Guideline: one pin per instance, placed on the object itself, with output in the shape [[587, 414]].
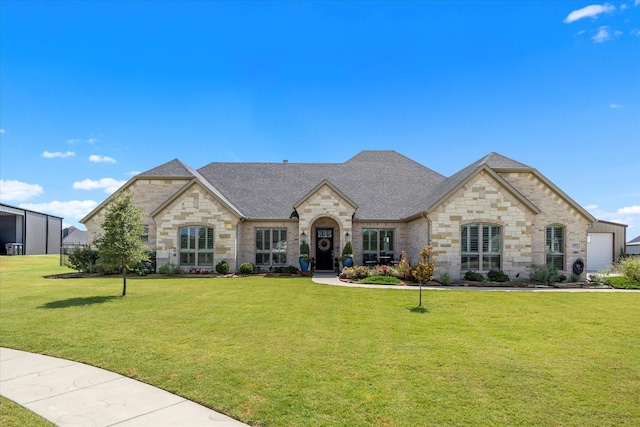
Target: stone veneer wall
[[147, 194], [482, 200], [196, 206], [554, 210], [326, 203]]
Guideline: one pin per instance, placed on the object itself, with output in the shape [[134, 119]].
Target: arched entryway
[[325, 243]]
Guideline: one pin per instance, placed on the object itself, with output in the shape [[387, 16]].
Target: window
[[481, 247], [271, 246], [555, 246], [377, 243], [196, 246], [144, 237]]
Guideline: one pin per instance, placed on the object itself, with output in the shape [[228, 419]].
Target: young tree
[[425, 268], [120, 245]]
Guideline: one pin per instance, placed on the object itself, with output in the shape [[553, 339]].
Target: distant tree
[[425, 268], [121, 245]]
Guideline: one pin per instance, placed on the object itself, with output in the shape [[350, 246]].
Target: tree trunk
[[124, 279]]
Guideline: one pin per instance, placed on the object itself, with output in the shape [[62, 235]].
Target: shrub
[[169, 269], [472, 276], [304, 249], [630, 267], [246, 268], [360, 272], [347, 251], [497, 276], [381, 270], [290, 269], [107, 269], [148, 266], [381, 280], [445, 279], [222, 267], [83, 260], [347, 273], [544, 274], [619, 282], [404, 268]]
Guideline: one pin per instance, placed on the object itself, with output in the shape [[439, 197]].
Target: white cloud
[[73, 209], [614, 106], [635, 32], [1, 130], [92, 140], [73, 141], [629, 215], [11, 190], [134, 173], [101, 159], [50, 155], [602, 35], [589, 12], [630, 210], [110, 185]]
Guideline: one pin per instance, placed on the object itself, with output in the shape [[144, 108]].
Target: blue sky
[[93, 92]]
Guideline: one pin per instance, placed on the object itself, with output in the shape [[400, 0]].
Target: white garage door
[[599, 251]]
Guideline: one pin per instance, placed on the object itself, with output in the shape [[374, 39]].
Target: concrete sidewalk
[[74, 394]]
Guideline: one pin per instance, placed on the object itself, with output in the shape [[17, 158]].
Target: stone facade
[[554, 210], [481, 200], [518, 200], [148, 195], [197, 207]]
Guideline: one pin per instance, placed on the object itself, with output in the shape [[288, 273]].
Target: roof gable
[[318, 187], [458, 180], [207, 187]]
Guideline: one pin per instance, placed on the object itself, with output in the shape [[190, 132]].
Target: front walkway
[[332, 279], [74, 394]]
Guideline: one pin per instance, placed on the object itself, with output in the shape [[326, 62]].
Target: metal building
[[25, 232], [605, 243]]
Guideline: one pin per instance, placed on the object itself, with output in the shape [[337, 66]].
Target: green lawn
[[288, 352]]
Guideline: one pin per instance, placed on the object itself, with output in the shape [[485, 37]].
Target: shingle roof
[[382, 183], [173, 168], [385, 185], [492, 160], [75, 237]]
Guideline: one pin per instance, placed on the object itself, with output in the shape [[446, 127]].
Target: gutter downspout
[[238, 242], [429, 225]]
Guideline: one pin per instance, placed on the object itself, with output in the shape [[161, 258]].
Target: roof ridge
[[170, 168]]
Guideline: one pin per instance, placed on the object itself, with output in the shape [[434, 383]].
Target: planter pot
[[348, 262], [304, 265]]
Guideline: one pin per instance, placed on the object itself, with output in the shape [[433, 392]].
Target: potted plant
[[347, 255], [304, 256]]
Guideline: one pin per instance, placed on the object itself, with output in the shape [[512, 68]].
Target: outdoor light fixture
[[303, 235]]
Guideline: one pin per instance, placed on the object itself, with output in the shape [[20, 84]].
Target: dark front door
[[324, 249]]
